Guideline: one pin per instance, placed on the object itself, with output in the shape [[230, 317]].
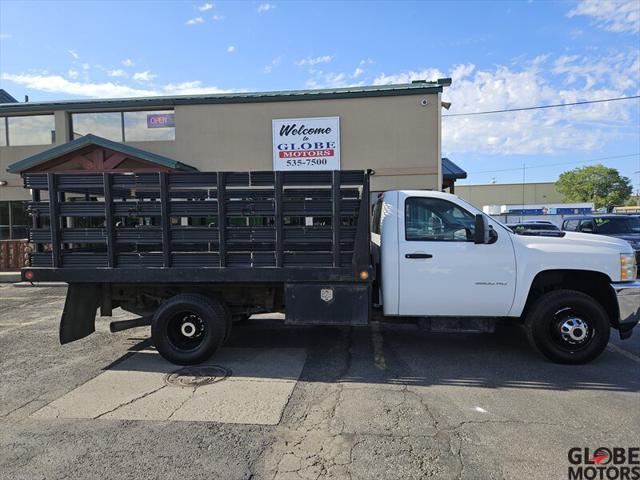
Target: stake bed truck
[[192, 253]]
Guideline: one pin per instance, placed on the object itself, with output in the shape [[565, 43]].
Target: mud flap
[[79, 314]]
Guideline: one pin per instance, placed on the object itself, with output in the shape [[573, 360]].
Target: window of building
[[105, 124], [3, 131], [154, 125], [149, 126], [27, 130], [437, 220], [14, 220]]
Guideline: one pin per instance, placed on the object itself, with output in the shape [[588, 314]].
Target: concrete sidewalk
[[10, 277]]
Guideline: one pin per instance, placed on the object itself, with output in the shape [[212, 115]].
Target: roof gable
[[83, 144]]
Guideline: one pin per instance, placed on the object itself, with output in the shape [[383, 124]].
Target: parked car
[[626, 227], [536, 226]]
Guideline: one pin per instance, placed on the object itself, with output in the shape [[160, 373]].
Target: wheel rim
[[572, 330], [186, 331]]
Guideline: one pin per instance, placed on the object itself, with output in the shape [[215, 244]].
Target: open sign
[[160, 120]]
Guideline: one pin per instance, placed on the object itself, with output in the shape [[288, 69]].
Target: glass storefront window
[[14, 220], [155, 125], [30, 130], [3, 131], [106, 124], [149, 126]]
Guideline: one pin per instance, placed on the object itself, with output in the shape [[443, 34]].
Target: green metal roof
[[414, 88], [87, 140]]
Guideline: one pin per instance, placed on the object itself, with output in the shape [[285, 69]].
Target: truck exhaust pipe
[[128, 324]]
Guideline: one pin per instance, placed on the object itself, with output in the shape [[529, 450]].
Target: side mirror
[[481, 235]]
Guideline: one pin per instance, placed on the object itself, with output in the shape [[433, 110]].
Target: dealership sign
[[160, 120], [306, 143]]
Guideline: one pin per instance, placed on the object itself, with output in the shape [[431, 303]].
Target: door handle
[[418, 255]]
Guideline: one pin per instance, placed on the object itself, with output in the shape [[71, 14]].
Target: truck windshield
[[617, 225]]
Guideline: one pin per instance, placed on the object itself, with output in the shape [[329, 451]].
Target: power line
[[541, 106], [560, 164]]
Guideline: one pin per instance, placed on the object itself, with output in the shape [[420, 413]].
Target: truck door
[[442, 272]]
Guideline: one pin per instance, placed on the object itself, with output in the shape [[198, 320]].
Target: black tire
[[568, 327], [203, 316]]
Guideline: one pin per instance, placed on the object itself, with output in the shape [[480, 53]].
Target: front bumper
[[628, 296]]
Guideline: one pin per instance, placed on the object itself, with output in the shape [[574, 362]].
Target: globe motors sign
[[306, 143]]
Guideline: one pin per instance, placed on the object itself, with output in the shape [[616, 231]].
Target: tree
[[598, 184]]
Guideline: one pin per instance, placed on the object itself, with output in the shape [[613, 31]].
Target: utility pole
[[524, 177]]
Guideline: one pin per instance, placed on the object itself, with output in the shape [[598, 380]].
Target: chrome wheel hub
[[574, 330], [188, 329]]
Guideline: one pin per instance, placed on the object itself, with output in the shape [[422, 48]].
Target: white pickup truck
[[442, 257], [193, 253]]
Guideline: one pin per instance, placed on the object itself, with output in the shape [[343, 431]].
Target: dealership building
[[394, 130]]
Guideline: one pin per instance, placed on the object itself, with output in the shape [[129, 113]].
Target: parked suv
[[626, 227]]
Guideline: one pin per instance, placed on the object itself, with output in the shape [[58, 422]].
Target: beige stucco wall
[[396, 136], [509, 194]]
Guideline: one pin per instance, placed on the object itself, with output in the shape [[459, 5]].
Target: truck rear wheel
[[567, 326], [188, 328]]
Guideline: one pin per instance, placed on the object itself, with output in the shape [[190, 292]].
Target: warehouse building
[[510, 194], [392, 129]]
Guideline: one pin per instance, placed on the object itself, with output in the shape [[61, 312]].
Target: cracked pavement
[[381, 402]]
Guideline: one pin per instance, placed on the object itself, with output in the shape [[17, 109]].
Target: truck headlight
[[628, 267]]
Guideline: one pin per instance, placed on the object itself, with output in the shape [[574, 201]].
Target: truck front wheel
[[188, 328], [567, 326]]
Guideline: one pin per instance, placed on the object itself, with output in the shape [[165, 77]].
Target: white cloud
[[145, 76], [117, 72], [194, 87], [59, 85], [72, 73], [231, 49], [265, 7], [206, 6], [86, 66], [322, 79], [217, 18], [357, 72], [311, 61], [611, 15], [273, 64], [73, 54], [195, 21], [4, 36], [541, 81], [127, 62], [408, 76]]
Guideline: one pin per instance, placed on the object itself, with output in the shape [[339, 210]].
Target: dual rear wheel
[[189, 328]]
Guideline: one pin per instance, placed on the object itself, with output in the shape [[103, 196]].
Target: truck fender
[[79, 314]]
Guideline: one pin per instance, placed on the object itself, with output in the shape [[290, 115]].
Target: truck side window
[[437, 220], [376, 217]]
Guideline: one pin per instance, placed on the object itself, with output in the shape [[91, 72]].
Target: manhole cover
[[196, 376]]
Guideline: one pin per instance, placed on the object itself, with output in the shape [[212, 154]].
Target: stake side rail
[[199, 227]]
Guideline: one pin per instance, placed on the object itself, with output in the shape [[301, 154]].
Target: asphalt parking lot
[[300, 403]]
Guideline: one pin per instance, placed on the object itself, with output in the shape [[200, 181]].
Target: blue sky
[[500, 54]]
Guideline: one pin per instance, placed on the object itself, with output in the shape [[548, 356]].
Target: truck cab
[[441, 257]]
